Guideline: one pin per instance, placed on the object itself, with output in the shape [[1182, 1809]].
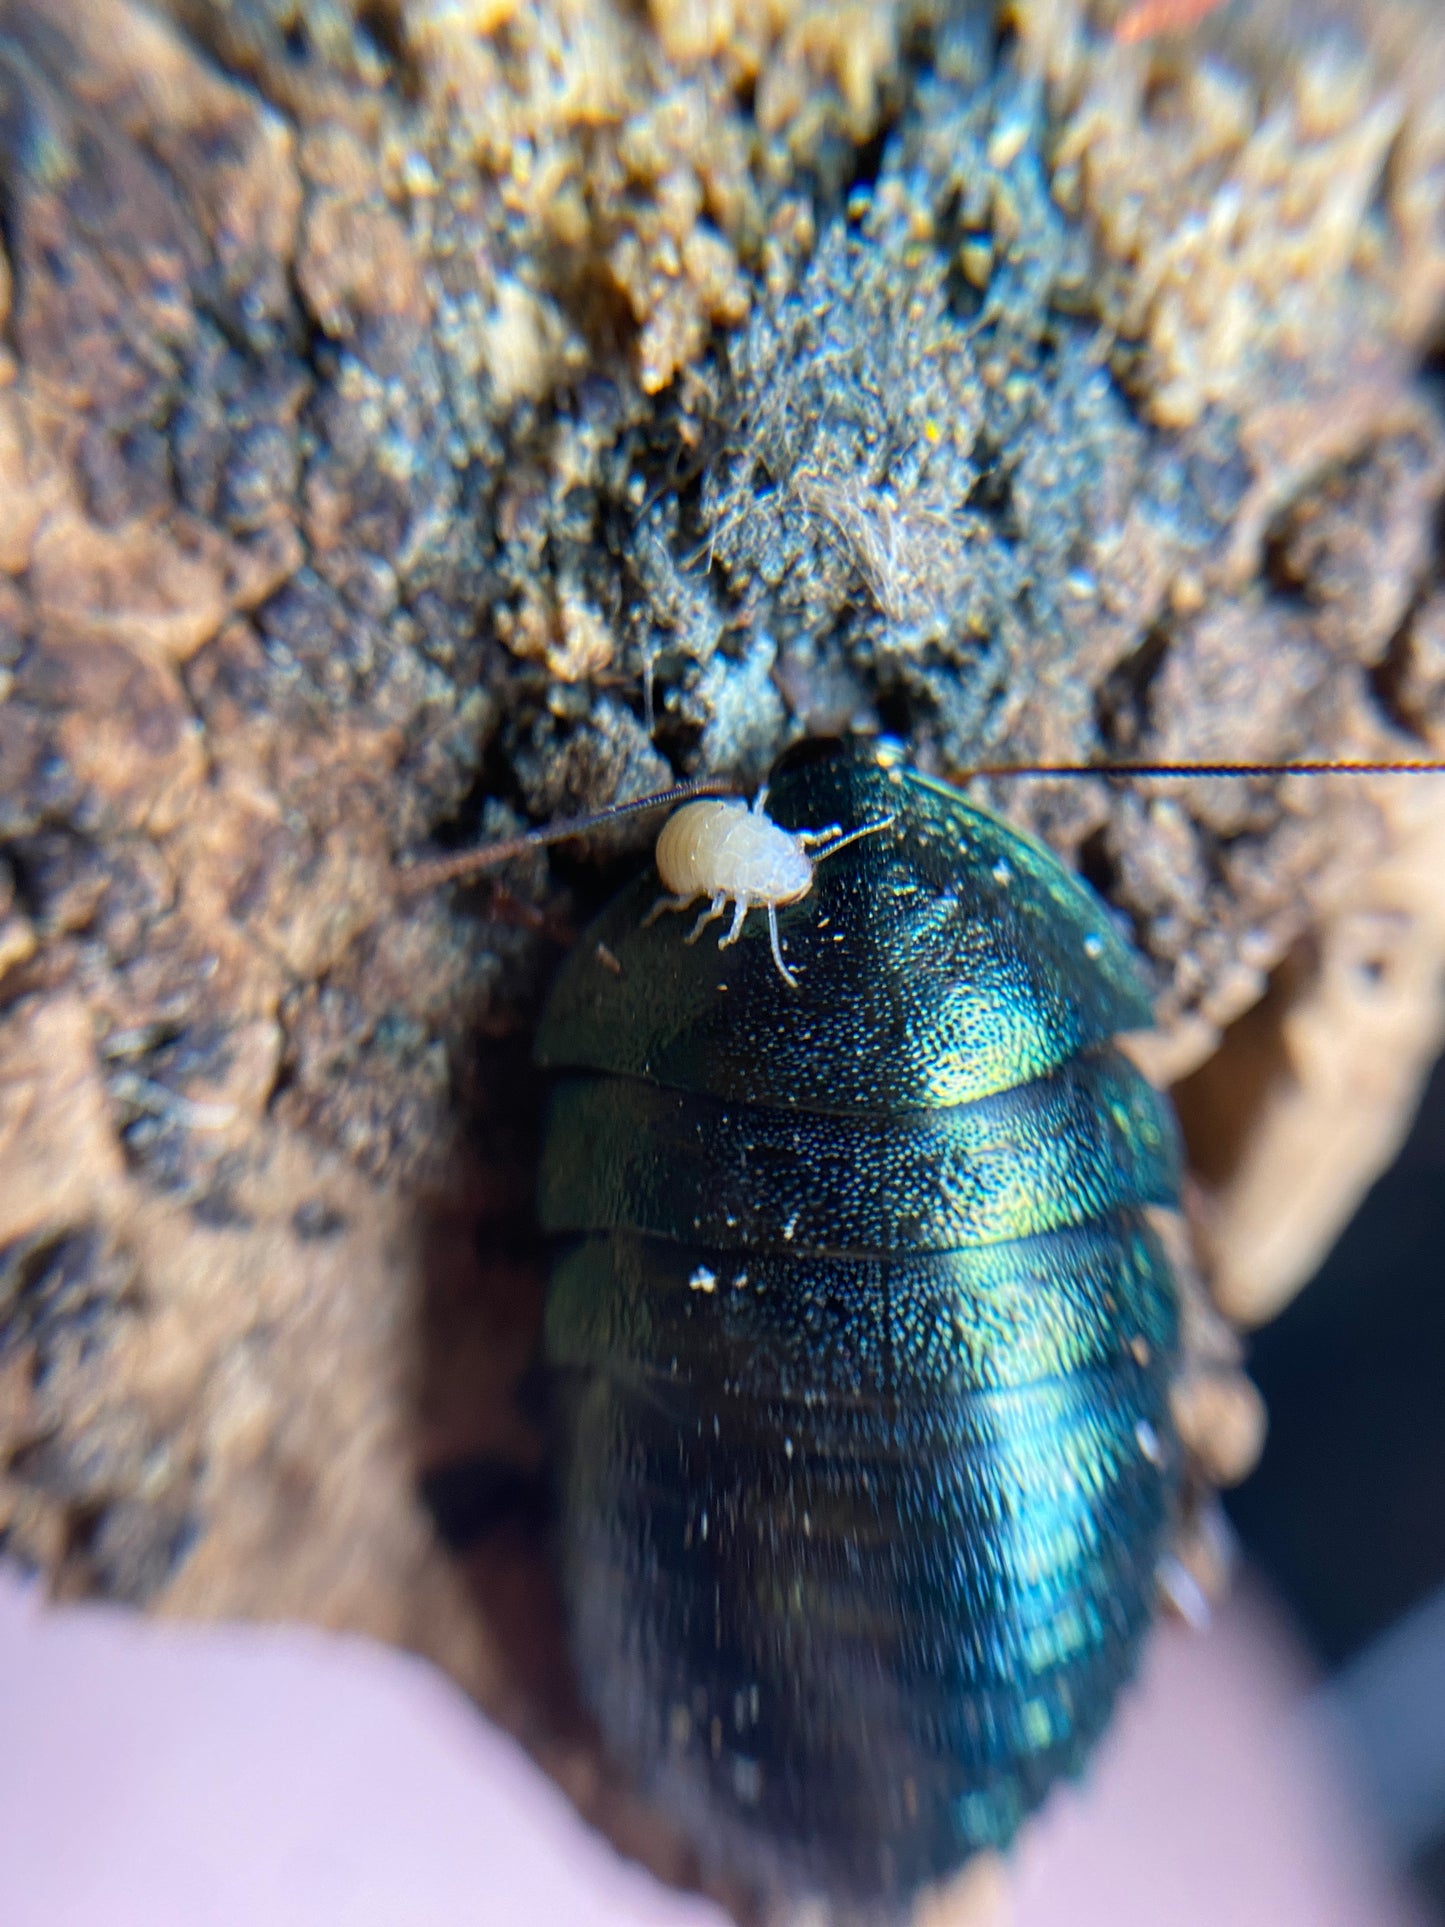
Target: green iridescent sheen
[[1052, 1153], [862, 1339]]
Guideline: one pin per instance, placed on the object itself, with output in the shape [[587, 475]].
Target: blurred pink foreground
[[171, 1776]]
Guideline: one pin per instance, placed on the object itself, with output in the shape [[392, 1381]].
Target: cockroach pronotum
[[861, 1329]]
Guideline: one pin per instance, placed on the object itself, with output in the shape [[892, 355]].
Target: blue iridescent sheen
[[862, 1338]]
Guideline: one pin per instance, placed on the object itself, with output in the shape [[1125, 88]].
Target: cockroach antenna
[[1199, 771], [428, 873]]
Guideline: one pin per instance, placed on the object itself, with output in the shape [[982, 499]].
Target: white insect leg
[[740, 912], [713, 910], [665, 904], [783, 970], [809, 837]]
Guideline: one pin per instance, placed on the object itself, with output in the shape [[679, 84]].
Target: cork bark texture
[[418, 420]]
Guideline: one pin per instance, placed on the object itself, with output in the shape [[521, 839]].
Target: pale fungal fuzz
[[736, 856]]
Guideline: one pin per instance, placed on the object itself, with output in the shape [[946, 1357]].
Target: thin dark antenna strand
[[1241, 770], [431, 872]]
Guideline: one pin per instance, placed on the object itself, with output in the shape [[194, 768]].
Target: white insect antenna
[[821, 844]]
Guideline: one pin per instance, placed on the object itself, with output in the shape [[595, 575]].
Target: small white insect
[[716, 847], [737, 856]]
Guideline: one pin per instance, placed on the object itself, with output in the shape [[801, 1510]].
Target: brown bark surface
[[420, 420]]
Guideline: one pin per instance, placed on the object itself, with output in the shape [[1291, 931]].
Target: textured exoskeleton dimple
[[862, 1336]]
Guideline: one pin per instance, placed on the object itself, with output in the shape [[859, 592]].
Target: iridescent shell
[[862, 1341]]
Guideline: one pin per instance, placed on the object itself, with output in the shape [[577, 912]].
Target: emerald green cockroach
[[861, 1328], [861, 1333]]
